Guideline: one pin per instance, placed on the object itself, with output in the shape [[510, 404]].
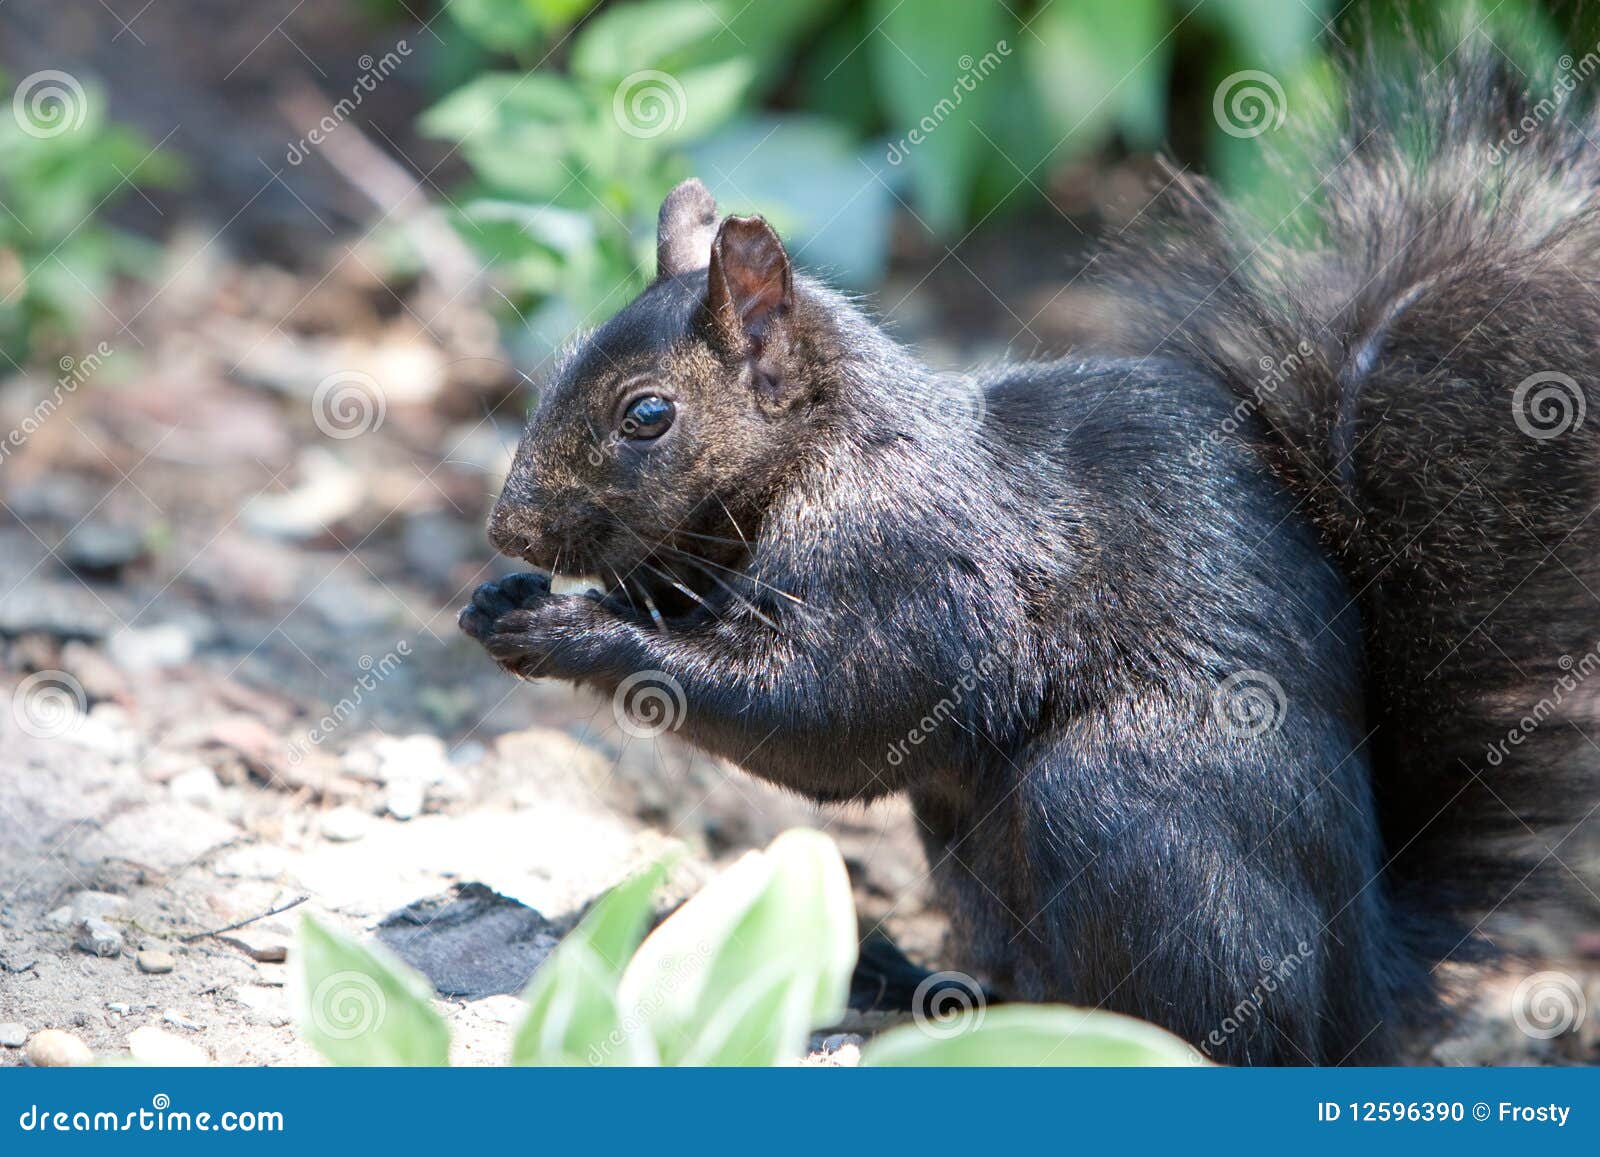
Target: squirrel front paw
[[535, 634], [495, 599]]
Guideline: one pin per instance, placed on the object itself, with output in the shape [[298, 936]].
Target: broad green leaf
[[360, 1005], [523, 133], [1099, 64], [503, 25], [933, 60], [498, 105], [626, 39], [743, 971], [1032, 1036], [571, 1016], [1270, 34], [516, 25]]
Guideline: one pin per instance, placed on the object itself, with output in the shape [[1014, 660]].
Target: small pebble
[[98, 938], [152, 1046], [344, 825], [173, 1017], [104, 905], [13, 1035], [404, 798], [263, 950], [198, 786], [51, 1048], [155, 961]]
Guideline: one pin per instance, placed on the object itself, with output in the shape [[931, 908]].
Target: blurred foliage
[[822, 114], [741, 974], [62, 163]]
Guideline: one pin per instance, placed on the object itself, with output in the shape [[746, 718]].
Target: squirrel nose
[[511, 532]]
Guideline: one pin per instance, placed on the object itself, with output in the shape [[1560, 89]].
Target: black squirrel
[[1210, 670]]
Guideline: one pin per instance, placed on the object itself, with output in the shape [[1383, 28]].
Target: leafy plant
[[61, 164], [739, 975]]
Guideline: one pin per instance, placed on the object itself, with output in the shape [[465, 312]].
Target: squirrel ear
[[749, 284], [685, 229]]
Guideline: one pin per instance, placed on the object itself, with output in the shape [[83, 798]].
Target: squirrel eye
[[647, 417]]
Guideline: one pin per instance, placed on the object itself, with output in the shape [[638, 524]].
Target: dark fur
[[1029, 601]]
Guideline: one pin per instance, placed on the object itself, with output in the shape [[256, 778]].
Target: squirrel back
[[1421, 348]]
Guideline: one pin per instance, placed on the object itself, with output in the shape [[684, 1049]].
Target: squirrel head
[[664, 433]]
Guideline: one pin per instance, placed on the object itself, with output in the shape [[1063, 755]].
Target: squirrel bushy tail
[[1421, 335]]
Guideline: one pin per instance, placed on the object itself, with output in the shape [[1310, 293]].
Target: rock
[[404, 798], [64, 610], [163, 836], [60, 918], [156, 962], [415, 757], [152, 1046], [141, 649], [262, 947], [472, 942], [198, 786], [407, 767], [13, 1035], [98, 938], [344, 825], [173, 1017], [51, 1048], [258, 862], [100, 551]]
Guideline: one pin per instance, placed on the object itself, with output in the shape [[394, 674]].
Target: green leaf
[[516, 25], [1101, 64], [626, 39], [926, 55], [572, 1017], [503, 25], [523, 133], [1271, 34], [361, 1005], [742, 972], [1033, 1036]]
